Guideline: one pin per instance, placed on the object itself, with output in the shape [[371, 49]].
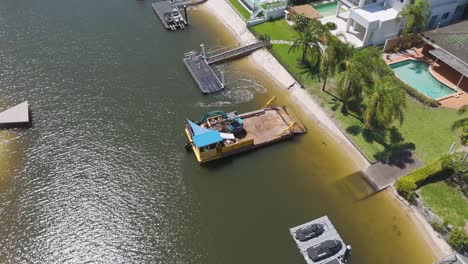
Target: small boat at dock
[[219, 134]]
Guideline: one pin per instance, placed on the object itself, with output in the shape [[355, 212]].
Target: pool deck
[[455, 100]]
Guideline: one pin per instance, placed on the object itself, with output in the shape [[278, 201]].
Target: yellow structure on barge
[[211, 139]]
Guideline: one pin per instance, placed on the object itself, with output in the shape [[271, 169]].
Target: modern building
[[374, 21]]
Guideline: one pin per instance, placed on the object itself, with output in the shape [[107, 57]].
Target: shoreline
[[266, 62]]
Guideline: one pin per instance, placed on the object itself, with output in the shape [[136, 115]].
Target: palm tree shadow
[[396, 151], [310, 69]]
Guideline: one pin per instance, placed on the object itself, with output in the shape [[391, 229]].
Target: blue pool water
[[327, 9], [417, 75]]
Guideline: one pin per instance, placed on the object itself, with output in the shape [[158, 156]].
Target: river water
[[103, 177]]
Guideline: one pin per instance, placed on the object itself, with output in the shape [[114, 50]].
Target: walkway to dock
[[234, 53], [189, 3], [382, 175]]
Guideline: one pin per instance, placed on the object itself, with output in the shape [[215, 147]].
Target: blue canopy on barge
[[202, 136]]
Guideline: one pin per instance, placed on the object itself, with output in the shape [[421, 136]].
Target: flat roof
[[376, 12], [453, 39]]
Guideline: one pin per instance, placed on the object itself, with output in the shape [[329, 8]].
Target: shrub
[[454, 163], [437, 225], [407, 185], [330, 25], [458, 239], [406, 188]]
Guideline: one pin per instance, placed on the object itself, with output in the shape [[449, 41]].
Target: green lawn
[[446, 202], [426, 131], [240, 9], [281, 30], [277, 29], [427, 128]]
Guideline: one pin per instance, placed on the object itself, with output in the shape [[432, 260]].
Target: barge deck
[[212, 140]]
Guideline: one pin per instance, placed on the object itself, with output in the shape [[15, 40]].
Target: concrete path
[[381, 175]]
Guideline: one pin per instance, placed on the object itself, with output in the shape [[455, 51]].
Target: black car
[[324, 250], [309, 232]]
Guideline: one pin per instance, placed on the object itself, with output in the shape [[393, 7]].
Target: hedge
[[407, 185], [458, 239]]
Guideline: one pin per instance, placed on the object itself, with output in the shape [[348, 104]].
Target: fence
[[395, 43]]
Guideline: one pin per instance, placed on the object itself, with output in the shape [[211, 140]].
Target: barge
[[219, 135]]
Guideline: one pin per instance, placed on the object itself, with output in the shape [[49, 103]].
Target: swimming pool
[[417, 75], [327, 9]]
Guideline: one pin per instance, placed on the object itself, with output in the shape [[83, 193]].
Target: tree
[[333, 57], [300, 22], [360, 69], [417, 14], [458, 239], [309, 41], [462, 126], [385, 104]]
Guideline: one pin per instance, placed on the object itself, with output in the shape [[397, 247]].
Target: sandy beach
[[265, 61], [268, 63]]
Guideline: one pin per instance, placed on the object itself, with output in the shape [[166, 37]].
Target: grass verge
[[446, 202], [240, 9]]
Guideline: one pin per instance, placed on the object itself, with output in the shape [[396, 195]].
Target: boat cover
[[202, 136]]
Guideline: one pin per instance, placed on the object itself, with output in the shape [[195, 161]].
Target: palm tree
[[309, 41], [417, 13], [385, 104], [333, 57], [361, 67]]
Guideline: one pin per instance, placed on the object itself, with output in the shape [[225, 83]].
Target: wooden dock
[[199, 65], [166, 7], [15, 116], [330, 233]]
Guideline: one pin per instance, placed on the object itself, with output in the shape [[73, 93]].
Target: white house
[[374, 21]]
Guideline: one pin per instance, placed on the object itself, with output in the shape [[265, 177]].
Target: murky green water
[[103, 176]]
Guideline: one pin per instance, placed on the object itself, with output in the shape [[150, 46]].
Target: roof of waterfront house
[[451, 43], [376, 12], [305, 10], [455, 258]]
